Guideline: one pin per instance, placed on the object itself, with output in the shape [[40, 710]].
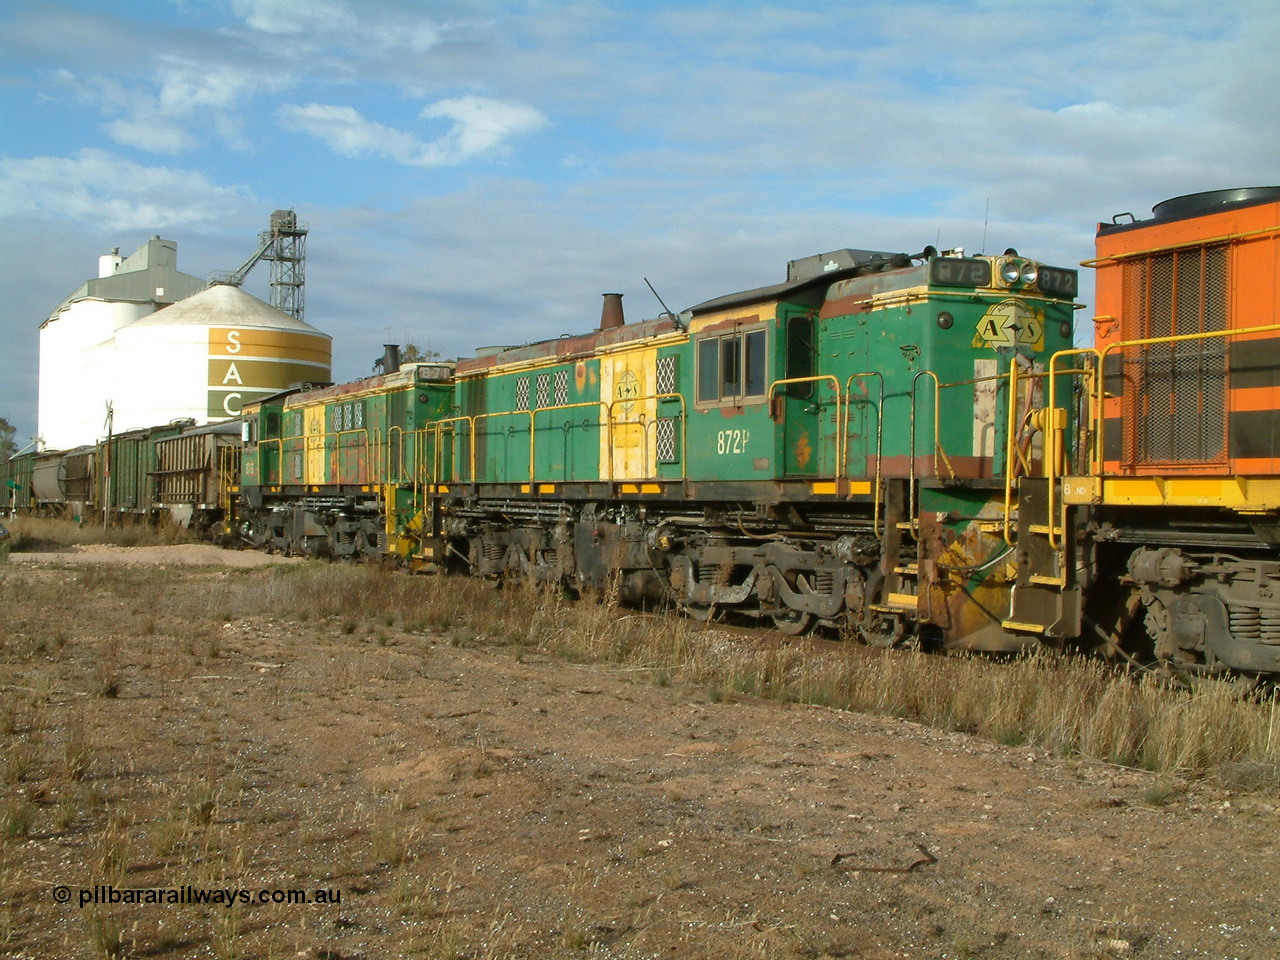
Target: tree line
[[8, 445]]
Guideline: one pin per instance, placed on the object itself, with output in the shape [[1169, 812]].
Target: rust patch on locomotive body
[[846, 306], [803, 450], [730, 323]]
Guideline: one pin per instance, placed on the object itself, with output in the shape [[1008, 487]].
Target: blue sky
[[479, 173]]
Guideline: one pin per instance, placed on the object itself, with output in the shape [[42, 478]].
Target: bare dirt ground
[[179, 555], [465, 798]]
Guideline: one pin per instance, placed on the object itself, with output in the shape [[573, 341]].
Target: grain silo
[[76, 360], [208, 354]]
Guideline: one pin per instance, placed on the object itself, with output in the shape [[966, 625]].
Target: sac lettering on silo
[[247, 363]]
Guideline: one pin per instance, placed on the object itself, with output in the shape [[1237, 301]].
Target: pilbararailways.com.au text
[[106, 895]]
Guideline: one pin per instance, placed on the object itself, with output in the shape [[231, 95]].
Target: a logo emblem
[[627, 390], [1010, 323]]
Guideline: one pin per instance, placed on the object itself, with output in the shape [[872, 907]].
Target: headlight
[[1028, 273], [1009, 271]]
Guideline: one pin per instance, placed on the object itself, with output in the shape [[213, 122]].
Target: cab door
[[314, 445], [798, 407]]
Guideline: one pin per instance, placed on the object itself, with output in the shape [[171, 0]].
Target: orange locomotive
[[1170, 513]]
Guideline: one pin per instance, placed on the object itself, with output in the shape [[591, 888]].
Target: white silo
[[76, 366], [208, 354]]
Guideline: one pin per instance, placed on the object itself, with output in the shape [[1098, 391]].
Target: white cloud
[[98, 188], [171, 91], [294, 16], [189, 96], [350, 134], [480, 126], [181, 101], [188, 84], [150, 132], [355, 26]]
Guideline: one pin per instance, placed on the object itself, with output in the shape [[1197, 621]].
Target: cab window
[[732, 367], [800, 355]]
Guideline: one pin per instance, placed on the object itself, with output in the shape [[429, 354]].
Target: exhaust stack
[[390, 358], [611, 313]]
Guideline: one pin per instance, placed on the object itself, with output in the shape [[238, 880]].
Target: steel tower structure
[[285, 245]]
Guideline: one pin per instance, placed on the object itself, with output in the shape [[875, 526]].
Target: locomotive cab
[[870, 364]]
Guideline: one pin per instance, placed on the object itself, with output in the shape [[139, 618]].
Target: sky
[[480, 173]]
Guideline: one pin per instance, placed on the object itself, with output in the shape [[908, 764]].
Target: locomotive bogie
[[1209, 611]]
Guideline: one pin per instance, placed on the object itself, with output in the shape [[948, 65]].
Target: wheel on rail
[[699, 611], [791, 622]]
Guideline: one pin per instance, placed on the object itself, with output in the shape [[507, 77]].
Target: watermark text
[[108, 895]]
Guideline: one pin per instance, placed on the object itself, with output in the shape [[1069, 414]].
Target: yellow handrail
[[439, 428], [1051, 452], [421, 461], [475, 420], [937, 426], [229, 461], [684, 433], [376, 456], [835, 386], [844, 464], [1096, 416], [359, 432], [1010, 444], [1149, 341], [555, 409], [937, 441], [1050, 428], [399, 476]]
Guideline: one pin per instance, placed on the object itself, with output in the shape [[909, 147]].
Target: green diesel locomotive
[[839, 448]]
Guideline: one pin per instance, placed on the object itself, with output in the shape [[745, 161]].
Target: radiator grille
[[1175, 393]]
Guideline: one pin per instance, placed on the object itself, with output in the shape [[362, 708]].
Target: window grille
[[666, 374], [665, 440]]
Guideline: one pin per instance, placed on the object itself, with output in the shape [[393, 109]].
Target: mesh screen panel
[[1175, 393]]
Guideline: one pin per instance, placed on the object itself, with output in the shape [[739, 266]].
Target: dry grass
[[1070, 706], [30, 534], [70, 778]]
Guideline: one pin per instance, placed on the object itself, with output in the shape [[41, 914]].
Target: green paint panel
[[754, 437], [559, 404], [905, 344]]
